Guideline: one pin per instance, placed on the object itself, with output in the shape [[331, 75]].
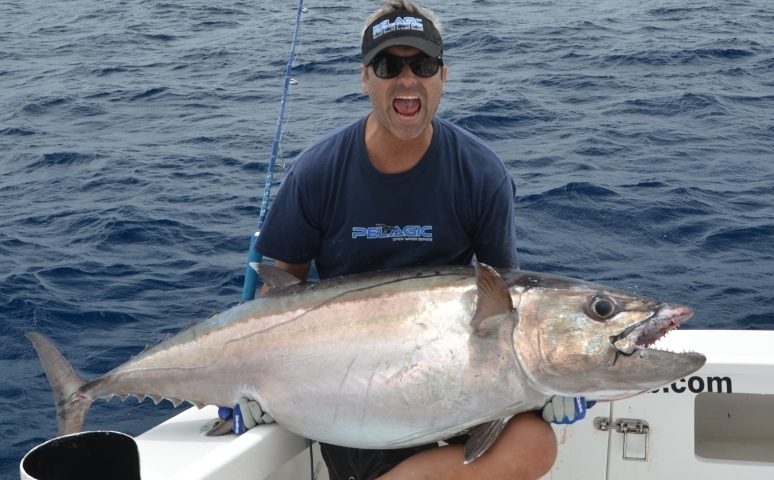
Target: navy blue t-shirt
[[335, 208]]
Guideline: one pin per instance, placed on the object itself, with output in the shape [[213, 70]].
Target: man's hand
[[566, 410], [245, 415]]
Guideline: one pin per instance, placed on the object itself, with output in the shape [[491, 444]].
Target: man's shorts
[[357, 464]]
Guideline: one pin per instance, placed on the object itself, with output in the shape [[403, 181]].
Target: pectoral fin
[[275, 278], [482, 437]]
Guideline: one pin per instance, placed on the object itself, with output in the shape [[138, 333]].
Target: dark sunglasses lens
[[423, 65], [390, 66], [387, 66]]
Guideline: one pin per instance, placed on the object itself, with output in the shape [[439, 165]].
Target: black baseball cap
[[403, 28]]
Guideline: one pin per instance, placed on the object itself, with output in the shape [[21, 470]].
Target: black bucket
[[83, 456]]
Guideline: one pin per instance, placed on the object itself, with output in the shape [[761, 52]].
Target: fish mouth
[[645, 333]]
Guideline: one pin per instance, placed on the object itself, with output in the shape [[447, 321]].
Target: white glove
[[566, 410]]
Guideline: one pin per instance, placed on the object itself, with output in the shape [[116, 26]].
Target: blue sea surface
[[135, 139]]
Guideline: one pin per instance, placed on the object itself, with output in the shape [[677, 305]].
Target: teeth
[[661, 343]]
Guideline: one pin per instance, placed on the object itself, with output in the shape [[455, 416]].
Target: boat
[[715, 424]]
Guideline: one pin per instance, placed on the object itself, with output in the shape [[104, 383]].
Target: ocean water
[[135, 138]]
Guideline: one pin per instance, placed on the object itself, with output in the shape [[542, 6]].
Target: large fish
[[399, 358]]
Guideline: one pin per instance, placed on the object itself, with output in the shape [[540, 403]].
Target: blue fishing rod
[[253, 256]]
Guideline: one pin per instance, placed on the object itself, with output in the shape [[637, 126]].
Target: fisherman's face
[[404, 105]]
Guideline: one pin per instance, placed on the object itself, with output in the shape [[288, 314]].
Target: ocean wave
[[496, 118], [567, 194], [45, 105], [683, 12], [87, 110], [62, 159], [150, 93], [20, 131], [331, 65], [675, 57], [214, 25], [575, 81], [666, 106], [482, 41], [757, 238]]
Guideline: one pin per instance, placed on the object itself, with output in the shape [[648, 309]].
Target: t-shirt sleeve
[[291, 232], [495, 239]]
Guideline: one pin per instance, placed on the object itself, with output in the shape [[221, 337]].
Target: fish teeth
[[660, 343]]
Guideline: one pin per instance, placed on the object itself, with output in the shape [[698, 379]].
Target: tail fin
[[71, 406]]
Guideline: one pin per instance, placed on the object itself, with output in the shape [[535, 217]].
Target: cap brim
[[430, 48]]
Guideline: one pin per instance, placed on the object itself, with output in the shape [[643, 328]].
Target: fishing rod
[[253, 256]]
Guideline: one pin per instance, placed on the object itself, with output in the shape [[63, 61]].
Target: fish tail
[[71, 404]]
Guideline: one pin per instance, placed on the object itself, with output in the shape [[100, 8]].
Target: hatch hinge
[[628, 426]]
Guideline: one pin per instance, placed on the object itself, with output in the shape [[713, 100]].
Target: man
[[398, 188]]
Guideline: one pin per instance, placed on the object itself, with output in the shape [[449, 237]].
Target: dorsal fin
[[275, 277], [494, 299]]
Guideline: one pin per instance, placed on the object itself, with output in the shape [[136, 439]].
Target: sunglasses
[[389, 66]]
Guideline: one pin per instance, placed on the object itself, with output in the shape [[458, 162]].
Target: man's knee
[[532, 444]]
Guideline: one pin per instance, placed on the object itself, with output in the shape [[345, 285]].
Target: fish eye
[[601, 308]]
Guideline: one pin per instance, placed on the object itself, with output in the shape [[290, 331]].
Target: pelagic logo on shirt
[[414, 233]]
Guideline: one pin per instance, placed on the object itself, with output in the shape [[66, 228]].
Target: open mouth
[[645, 333], [407, 106]]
